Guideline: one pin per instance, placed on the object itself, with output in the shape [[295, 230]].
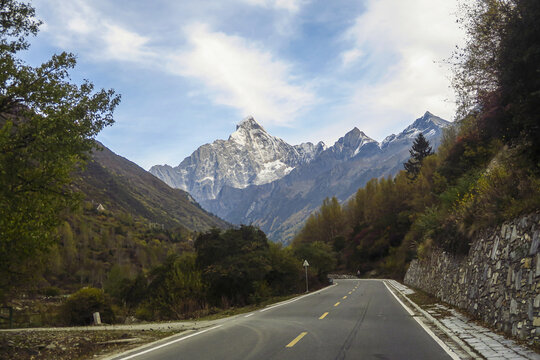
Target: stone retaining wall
[[498, 282]]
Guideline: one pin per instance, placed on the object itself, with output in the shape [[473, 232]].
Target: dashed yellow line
[[344, 297], [297, 339], [323, 316], [336, 304], [350, 292]]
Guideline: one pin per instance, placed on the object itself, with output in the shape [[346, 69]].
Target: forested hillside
[[121, 185], [129, 221], [79, 220], [486, 170]]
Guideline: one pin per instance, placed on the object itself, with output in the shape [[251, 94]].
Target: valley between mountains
[[256, 178]]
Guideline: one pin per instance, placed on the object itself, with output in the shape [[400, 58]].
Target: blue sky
[[307, 70]]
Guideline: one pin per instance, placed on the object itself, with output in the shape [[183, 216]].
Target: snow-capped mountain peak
[[350, 144], [250, 156], [249, 122], [429, 124], [254, 177], [249, 131], [428, 120]]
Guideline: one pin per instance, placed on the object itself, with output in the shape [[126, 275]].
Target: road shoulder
[[464, 337]]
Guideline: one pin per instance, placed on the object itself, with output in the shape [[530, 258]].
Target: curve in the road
[[355, 319]]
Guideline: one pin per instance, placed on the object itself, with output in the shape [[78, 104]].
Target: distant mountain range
[[251, 156], [119, 184], [255, 178]]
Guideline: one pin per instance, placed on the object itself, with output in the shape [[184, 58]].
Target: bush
[[145, 312], [50, 291], [176, 287], [79, 307]]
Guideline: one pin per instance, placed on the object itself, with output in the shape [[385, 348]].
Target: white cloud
[[88, 30], [242, 75], [289, 5], [122, 44], [232, 70], [350, 56], [406, 41]]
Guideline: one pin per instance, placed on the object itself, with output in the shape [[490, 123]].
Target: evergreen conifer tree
[[419, 150]]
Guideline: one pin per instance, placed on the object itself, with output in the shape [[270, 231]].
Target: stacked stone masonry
[[498, 282]]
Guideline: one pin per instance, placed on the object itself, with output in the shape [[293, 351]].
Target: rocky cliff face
[[250, 156], [259, 179]]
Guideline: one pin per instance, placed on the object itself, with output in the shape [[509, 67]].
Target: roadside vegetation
[[55, 246], [225, 272], [62, 257], [486, 170]]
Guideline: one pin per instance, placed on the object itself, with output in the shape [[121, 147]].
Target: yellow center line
[[297, 339], [323, 316], [350, 292], [336, 304], [344, 297]]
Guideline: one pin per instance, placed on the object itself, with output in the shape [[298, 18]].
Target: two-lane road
[[355, 319]]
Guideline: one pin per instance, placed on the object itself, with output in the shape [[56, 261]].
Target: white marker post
[[306, 264]]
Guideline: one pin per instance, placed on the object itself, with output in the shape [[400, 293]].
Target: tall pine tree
[[419, 150]]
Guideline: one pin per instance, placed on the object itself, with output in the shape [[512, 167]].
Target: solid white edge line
[[438, 324], [445, 347], [168, 343], [215, 327], [399, 300]]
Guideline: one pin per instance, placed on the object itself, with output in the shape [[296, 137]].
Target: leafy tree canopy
[[496, 72], [233, 262], [47, 126]]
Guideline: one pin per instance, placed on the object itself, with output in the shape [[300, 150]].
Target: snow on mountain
[[430, 125], [257, 178], [250, 156], [280, 208], [350, 144]]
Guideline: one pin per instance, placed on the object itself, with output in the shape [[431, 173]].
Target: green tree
[[419, 150], [176, 286], [325, 224], [283, 278], [320, 257], [519, 75], [47, 126], [234, 263], [476, 73], [496, 72]]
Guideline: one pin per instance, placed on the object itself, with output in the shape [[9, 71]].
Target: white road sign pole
[[306, 264]]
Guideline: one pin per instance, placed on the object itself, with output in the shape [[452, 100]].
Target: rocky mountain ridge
[[250, 156], [279, 198]]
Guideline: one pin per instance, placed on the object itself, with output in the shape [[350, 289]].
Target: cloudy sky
[[307, 70]]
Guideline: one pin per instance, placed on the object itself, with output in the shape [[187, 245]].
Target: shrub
[[50, 291], [79, 307], [176, 287]]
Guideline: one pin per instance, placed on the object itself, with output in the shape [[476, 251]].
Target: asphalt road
[[355, 319]]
